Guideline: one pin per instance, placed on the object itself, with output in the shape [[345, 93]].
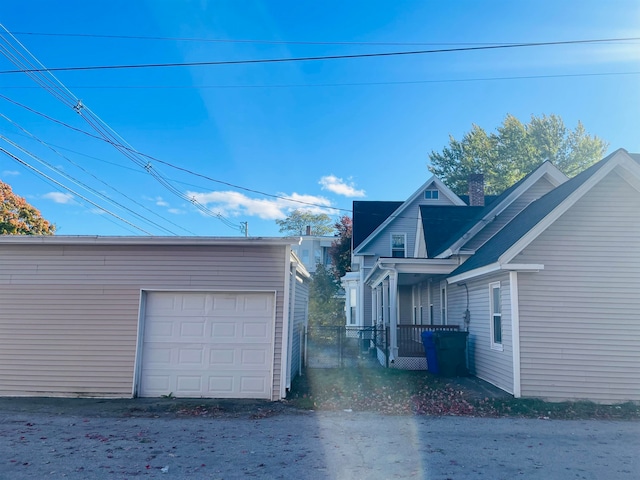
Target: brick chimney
[[476, 190], [308, 230]]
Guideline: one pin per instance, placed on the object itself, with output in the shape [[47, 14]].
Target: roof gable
[[534, 219], [476, 224], [441, 221], [400, 211]]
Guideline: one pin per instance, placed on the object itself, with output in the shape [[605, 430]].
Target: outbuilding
[[150, 316]]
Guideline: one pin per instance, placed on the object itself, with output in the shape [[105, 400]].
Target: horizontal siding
[[537, 190], [299, 322], [494, 366], [69, 313], [580, 316]]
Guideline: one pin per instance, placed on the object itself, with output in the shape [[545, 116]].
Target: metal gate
[[338, 346]]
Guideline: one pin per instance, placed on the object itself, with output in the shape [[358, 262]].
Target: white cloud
[[10, 173], [234, 204], [59, 197], [176, 211], [340, 187], [161, 202]]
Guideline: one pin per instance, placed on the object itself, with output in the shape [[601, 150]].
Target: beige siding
[[494, 366], [580, 316], [537, 190], [299, 324], [69, 313]]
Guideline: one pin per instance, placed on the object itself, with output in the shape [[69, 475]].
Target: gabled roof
[[444, 190], [367, 216], [558, 199], [465, 233], [439, 222]]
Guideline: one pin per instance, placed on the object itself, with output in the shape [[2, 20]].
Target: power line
[[50, 179], [86, 187], [338, 84], [168, 164], [317, 58], [226, 40]]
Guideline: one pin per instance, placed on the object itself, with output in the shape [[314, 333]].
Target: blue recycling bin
[[429, 344]]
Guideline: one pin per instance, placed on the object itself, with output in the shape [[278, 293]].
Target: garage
[[120, 317], [198, 344]]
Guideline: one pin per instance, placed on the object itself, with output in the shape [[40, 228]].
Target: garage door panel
[[225, 352]]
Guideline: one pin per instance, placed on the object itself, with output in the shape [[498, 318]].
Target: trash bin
[[430, 351], [451, 351]]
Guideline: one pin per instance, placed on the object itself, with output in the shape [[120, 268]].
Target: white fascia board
[[144, 240], [410, 265], [493, 267], [620, 159], [496, 267], [446, 191], [547, 169]]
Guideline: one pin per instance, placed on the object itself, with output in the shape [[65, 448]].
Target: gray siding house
[[149, 316], [545, 278]]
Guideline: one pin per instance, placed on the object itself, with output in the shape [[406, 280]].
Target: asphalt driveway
[[79, 439]]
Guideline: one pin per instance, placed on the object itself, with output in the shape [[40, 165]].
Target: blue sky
[[321, 132]]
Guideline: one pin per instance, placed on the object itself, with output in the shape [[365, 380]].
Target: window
[[443, 303], [397, 245], [431, 194], [495, 306], [352, 305]]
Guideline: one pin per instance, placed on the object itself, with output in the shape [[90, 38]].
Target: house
[[150, 316], [313, 250], [545, 279]]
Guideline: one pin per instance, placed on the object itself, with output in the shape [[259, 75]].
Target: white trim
[[515, 332], [494, 345], [404, 243], [494, 267], [145, 240], [446, 191], [444, 304], [619, 158], [137, 363], [546, 170], [293, 280], [284, 348]]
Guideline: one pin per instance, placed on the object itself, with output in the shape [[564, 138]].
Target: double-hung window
[[495, 306], [398, 244]]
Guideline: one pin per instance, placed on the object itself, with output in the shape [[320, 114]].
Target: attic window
[[431, 194]]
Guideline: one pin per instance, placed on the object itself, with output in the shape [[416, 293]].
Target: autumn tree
[[340, 250], [298, 221], [17, 217], [325, 306], [514, 150]]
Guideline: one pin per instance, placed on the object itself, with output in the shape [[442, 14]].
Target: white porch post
[[385, 302], [374, 305], [379, 318], [393, 315]]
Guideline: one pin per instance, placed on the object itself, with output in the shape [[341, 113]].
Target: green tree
[[514, 150], [298, 221], [17, 217], [340, 250], [325, 307]]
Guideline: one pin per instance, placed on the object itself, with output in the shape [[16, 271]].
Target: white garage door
[[216, 345]]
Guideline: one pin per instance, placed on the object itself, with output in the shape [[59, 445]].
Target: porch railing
[[410, 338]]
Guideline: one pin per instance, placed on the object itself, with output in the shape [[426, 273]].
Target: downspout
[[393, 312]]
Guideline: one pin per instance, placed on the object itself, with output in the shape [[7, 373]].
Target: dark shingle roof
[[440, 221], [367, 216], [490, 252], [495, 200]]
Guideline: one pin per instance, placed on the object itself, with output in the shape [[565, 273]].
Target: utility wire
[[257, 41], [168, 164], [57, 170], [338, 84], [50, 179], [106, 132], [317, 58]]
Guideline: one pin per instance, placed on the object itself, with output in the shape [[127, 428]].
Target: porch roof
[[410, 270]]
